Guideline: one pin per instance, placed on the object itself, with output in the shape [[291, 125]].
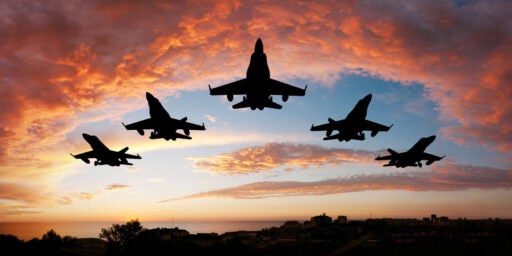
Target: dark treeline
[[319, 236]]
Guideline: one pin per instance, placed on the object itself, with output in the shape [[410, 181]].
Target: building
[[341, 220], [322, 220]]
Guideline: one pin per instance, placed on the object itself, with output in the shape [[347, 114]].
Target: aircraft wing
[[393, 155], [85, 155], [131, 156], [234, 88], [191, 126], [430, 157], [390, 157], [372, 126], [181, 136], [331, 125], [144, 124], [280, 88], [322, 127]]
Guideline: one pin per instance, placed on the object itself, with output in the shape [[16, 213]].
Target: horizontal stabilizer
[[392, 152], [242, 104], [273, 105]]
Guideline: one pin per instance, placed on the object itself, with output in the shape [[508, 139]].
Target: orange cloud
[[64, 64], [20, 192], [449, 177], [273, 155]]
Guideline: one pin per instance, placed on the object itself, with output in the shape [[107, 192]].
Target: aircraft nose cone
[[430, 139], [149, 96], [86, 136], [259, 46], [368, 97]]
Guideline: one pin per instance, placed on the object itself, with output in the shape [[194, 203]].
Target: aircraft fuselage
[[357, 116], [258, 75]]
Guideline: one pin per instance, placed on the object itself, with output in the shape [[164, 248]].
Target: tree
[[51, 242], [122, 235]]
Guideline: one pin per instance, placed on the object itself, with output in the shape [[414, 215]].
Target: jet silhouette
[[163, 125], [353, 125], [257, 86], [103, 154], [413, 156]]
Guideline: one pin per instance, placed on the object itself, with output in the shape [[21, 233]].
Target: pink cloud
[[274, 155], [449, 177]]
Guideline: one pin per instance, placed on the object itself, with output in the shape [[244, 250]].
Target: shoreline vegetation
[[321, 235]]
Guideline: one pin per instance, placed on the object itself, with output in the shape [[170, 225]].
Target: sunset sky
[[439, 68]]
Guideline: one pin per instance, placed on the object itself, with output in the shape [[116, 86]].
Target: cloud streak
[[274, 155], [448, 177], [65, 200]]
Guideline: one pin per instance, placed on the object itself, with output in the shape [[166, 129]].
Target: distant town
[[321, 235]]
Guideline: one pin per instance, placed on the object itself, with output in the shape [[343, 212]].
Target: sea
[[29, 230]]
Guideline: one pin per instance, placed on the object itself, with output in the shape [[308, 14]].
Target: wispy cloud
[[117, 187], [211, 118], [91, 195], [448, 177], [273, 155]]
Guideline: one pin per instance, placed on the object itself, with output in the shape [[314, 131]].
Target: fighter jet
[[258, 86], [103, 154], [353, 125], [413, 156], [163, 125]]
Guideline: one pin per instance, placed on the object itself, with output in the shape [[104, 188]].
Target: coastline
[[27, 230]]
